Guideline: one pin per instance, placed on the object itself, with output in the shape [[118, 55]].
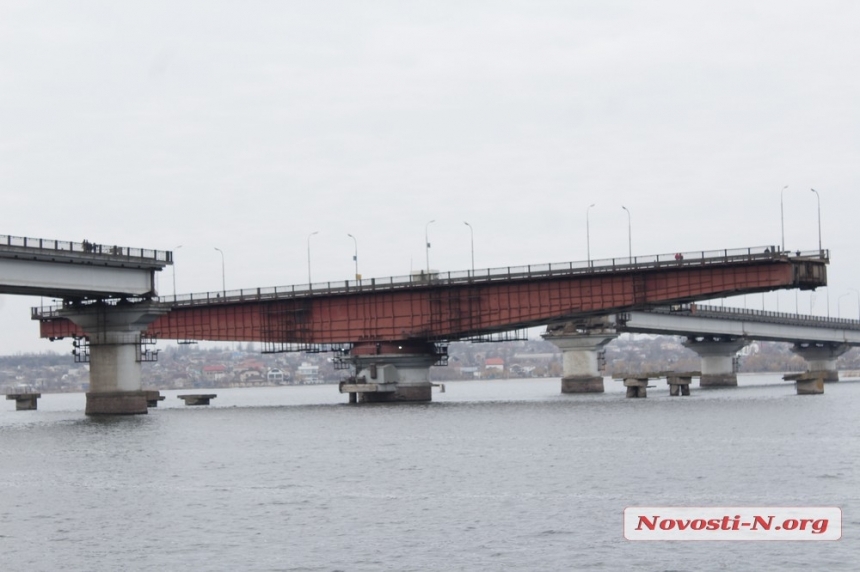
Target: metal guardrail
[[489, 275], [764, 316], [85, 247]]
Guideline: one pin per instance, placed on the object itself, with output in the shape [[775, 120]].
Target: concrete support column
[[679, 383], [637, 387], [114, 333], [807, 383], [717, 353], [821, 357], [580, 345], [24, 401], [392, 372]]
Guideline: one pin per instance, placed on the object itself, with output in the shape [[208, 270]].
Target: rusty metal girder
[[451, 311]]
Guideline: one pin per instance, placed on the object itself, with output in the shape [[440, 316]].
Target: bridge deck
[[458, 305], [696, 319], [64, 269], [85, 252], [507, 274]]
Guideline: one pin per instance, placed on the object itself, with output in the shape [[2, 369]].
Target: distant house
[[251, 377], [277, 376], [252, 363], [214, 372], [495, 363], [308, 373]]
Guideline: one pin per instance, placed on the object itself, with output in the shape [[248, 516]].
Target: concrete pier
[[581, 343], [391, 372], [679, 383], [718, 363], [198, 398], [808, 383], [24, 401], [114, 334], [637, 387], [153, 397], [821, 357]]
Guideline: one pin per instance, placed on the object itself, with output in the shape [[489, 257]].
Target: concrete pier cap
[[392, 371], [718, 363], [581, 342], [114, 334], [821, 357]]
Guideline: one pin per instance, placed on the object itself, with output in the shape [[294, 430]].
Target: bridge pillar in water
[[821, 357], [24, 401], [581, 343], [718, 359], [114, 333], [393, 371]]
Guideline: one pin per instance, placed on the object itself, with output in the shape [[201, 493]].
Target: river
[[493, 475]]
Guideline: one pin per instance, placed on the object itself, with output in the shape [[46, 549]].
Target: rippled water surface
[[493, 475]]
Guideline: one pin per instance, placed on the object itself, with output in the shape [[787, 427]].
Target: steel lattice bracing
[[454, 306]]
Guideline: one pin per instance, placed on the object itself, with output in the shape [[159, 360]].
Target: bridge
[[392, 330], [715, 333], [84, 274], [77, 270]]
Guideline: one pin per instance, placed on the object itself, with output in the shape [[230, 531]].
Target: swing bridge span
[[396, 327]]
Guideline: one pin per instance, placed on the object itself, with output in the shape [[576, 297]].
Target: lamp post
[[839, 304], [858, 301], [782, 217], [629, 235], [818, 197], [355, 256], [472, 242], [427, 245], [588, 235], [174, 273], [309, 256], [223, 280]]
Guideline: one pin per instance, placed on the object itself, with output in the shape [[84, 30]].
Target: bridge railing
[[85, 247], [783, 318], [423, 279]]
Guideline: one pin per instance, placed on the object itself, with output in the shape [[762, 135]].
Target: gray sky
[[249, 125]]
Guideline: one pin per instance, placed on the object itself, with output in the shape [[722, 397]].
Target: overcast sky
[[249, 125]]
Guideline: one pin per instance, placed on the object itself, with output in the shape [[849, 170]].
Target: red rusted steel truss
[[440, 310]]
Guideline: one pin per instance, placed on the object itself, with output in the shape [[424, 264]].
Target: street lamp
[[355, 256], [858, 301], [223, 281], [588, 235], [309, 255], [629, 235], [782, 217], [839, 304], [174, 273], [427, 247], [472, 242], [818, 197]]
